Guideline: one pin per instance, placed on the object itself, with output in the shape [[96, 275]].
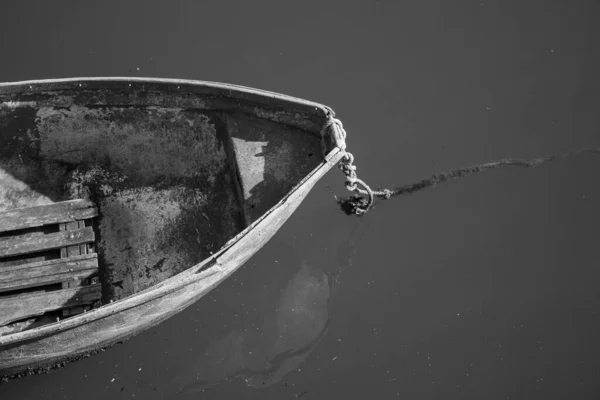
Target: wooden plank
[[72, 250], [78, 249], [17, 326], [19, 261], [13, 246], [22, 235], [30, 217], [47, 272], [63, 250], [68, 312], [82, 248], [14, 308]]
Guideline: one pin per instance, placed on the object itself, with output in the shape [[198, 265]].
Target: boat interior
[[109, 188]]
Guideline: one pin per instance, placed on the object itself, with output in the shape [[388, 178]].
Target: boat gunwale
[[177, 85], [194, 273]]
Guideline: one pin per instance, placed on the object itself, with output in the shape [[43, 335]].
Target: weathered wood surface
[[47, 272], [14, 308], [77, 249], [30, 217], [17, 245]]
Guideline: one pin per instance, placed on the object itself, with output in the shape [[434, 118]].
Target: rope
[[358, 204], [463, 172]]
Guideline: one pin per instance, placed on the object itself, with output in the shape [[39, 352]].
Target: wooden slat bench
[[47, 260], [41, 273], [37, 303]]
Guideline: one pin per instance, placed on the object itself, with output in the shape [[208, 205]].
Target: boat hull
[[259, 152]]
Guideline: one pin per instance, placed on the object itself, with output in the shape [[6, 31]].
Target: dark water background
[[486, 287]]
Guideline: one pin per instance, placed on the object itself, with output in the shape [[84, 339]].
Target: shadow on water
[[289, 333]]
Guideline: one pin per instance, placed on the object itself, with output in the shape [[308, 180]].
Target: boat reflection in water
[[288, 335]]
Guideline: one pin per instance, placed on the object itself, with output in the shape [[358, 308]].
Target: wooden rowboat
[[123, 201]]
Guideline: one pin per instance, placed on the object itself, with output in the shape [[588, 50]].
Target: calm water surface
[[486, 287]]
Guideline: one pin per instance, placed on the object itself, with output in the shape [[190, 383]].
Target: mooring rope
[[355, 204], [359, 205], [462, 172]]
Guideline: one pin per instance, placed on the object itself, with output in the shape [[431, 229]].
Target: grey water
[[482, 287]]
